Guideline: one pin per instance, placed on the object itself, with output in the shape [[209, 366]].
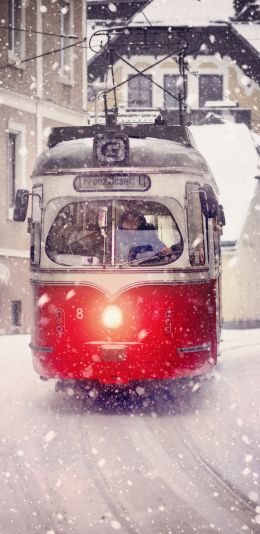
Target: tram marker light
[[111, 149], [112, 316]]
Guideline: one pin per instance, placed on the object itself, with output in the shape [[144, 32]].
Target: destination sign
[[113, 182]]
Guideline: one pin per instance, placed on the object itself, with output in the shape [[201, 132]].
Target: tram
[[125, 256]]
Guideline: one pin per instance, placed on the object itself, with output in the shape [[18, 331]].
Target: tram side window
[[36, 226], [195, 225]]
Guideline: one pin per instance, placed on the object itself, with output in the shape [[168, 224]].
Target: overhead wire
[[6, 27], [141, 72], [146, 18], [20, 61]]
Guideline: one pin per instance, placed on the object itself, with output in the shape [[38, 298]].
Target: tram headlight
[[112, 316]]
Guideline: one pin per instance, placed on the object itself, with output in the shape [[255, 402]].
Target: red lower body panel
[[167, 331]]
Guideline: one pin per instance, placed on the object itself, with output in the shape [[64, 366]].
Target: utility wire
[[19, 62], [140, 73], [41, 33], [146, 18]]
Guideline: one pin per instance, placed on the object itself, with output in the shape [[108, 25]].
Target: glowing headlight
[[112, 317]]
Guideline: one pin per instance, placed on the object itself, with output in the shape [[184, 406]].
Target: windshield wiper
[[140, 261]]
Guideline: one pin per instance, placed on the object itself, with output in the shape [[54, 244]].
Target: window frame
[[112, 205], [13, 53], [139, 80], [203, 101], [36, 225], [166, 96], [16, 314], [66, 75], [13, 138], [195, 187], [19, 179]]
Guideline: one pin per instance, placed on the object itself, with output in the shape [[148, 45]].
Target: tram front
[[124, 262]]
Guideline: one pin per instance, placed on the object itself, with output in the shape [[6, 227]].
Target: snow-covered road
[[148, 466]]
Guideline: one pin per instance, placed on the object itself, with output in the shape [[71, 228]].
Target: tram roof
[[143, 152]]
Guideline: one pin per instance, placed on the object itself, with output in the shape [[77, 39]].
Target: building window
[[91, 93], [15, 22], [16, 312], [15, 162], [174, 84], [210, 88], [13, 142], [140, 92], [65, 29], [195, 225]]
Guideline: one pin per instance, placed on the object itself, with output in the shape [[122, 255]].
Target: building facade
[[222, 73], [42, 84]]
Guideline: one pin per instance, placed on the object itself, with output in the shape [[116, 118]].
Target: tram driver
[[138, 238]]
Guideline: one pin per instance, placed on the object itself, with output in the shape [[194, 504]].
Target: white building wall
[[241, 272]]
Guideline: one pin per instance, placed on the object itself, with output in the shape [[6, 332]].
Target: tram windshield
[[112, 233]]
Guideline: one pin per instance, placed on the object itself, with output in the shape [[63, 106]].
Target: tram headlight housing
[[112, 316]]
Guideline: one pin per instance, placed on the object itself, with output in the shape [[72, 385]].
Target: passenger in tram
[[136, 236]]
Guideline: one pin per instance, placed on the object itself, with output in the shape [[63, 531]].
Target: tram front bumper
[[122, 363]]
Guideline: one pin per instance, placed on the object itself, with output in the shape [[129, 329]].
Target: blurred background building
[[42, 84]]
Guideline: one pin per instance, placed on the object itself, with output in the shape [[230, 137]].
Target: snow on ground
[[150, 465]]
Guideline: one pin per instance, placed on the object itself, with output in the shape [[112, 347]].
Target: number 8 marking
[[79, 313]]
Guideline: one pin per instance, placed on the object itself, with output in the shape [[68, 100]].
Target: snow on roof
[[230, 152], [250, 32], [190, 12]]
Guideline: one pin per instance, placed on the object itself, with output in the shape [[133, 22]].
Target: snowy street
[[136, 465]]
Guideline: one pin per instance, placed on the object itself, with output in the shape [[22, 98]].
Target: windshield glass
[[113, 232]]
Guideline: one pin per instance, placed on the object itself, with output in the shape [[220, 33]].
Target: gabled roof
[[221, 38]]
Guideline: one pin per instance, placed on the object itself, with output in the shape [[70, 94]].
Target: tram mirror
[[208, 200], [21, 205], [221, 215], [102, 217]]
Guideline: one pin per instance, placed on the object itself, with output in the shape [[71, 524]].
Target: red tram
[[125, 256]]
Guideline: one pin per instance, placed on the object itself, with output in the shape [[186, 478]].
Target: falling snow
[[175, 458]]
